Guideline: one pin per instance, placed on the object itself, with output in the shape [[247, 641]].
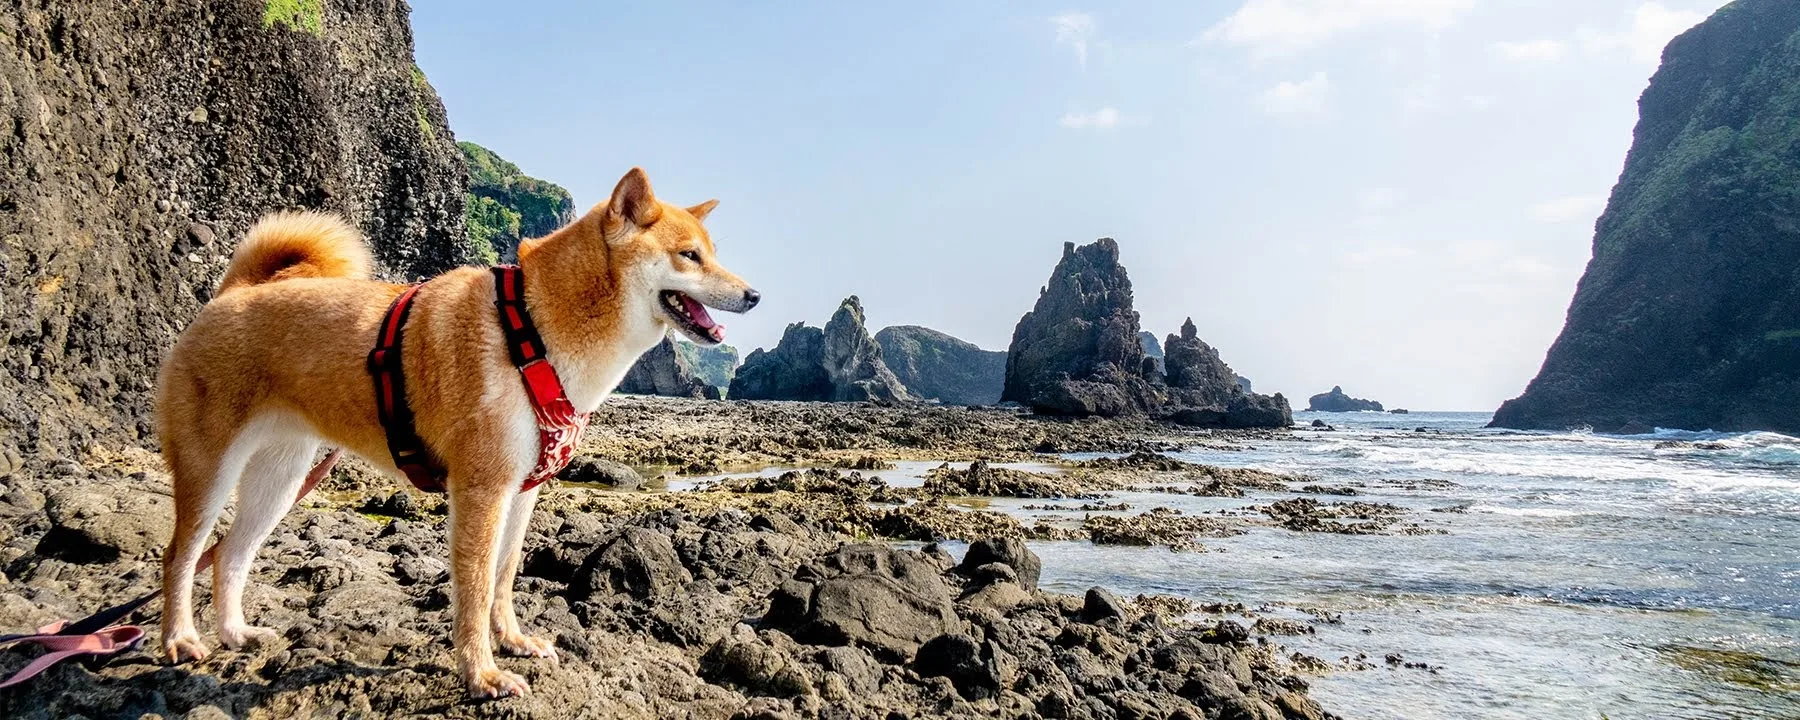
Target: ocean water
[[1576, 575], [1582, 576]]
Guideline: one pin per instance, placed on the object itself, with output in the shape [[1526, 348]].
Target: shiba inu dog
[[274, 367]]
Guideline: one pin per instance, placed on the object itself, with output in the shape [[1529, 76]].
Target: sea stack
[[1689, 313], [840, 363]]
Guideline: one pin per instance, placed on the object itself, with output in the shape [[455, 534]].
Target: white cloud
[[1652, 27], [1531, 51], [1560, 210], [1284, 27], [1372, 254], [1074, 30], [1306, 97], [1105, 118]]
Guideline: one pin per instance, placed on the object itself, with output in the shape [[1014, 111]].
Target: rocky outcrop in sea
[[1689, 313], [713, 364], [663, 371], [1337, 401], [143, 138], [1079, 352], [936, 366], [839, 363], [1152, 348]]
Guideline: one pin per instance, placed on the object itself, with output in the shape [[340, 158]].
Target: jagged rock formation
[[1079, 352], [143, 138], [840, 363], [1203, 390], [663, 371], [714, 365], [1244, 382], [1689, 313], [936, 366], [1337, 401], [505, 206]]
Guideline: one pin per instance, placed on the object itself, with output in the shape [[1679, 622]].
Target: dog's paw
[[184, 646], [251, 636], [493, 682], [522, 645]]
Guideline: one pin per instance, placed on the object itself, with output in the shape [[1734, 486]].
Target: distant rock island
[[840, 363], [936, 366], [714, 365], [1079, 352], [1689, 313], [506, 207], [1337, 401]]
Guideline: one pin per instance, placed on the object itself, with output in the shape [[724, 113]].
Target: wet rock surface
[[702, 611]]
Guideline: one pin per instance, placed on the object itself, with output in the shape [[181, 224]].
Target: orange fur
[[274, 366]]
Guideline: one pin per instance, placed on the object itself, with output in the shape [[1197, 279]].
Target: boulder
[[601, 471], [935, 366], [870, 596], [1337, 401], [640, 563], [664, 371], [1009, 551]]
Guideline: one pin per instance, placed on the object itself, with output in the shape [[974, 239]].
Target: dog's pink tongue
[[698, 312]]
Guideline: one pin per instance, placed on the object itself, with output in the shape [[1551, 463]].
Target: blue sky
[[1396, 196]]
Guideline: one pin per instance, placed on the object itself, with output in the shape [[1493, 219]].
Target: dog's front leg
[[513, 641], [478, 501]]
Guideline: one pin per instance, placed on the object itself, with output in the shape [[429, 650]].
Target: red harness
[[559, 426]]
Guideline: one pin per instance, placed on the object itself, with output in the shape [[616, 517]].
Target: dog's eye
[[692, 256]]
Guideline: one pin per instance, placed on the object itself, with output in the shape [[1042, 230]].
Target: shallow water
[[1579, 576], [1588, 575]]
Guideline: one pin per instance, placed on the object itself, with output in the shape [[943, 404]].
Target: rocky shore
[[765, 596]]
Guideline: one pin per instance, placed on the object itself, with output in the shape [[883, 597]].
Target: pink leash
[[101, 635]]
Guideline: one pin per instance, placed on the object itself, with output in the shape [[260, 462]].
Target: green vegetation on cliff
[[1684, 317], [506, 206]]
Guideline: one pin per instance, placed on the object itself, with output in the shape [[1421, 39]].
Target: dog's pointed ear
[[703, 209], [632, 200]]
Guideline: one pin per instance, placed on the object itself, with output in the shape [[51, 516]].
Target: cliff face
[[853, 360], [506, 206], [939, 367], [714, 365], [141, 139], [1689, 313]]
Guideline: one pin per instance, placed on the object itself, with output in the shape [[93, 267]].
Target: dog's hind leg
[[264, 494], [205, 461], [505, 617]]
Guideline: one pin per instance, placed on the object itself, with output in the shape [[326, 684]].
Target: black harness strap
[[410, 454]]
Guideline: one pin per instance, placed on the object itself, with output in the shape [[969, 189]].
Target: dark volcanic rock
[[1152, 349], [663, 371], [1007, 551], [1337, 401], [838, 364], [883, 600], [1077, 352], [1203, 390], [1080, 352], [1689, 313], [936, 366], [143, 138]]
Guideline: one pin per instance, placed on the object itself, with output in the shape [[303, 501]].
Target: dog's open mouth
[[691, 317]]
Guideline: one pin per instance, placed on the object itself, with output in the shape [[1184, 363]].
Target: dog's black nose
[[751, 298]]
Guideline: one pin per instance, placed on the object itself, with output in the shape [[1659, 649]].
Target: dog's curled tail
[[288, 245]]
